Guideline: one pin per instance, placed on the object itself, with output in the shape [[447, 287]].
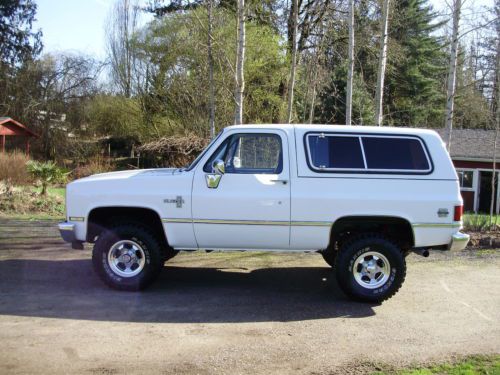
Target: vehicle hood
[[136, 173]]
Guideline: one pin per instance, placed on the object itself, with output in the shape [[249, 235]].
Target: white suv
[[363, 197]]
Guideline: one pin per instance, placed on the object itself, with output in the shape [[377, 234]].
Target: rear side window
[[330, 152], [403, 154], [336, 152]]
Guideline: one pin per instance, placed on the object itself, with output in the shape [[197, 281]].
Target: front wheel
[[127, 257], [370, 268]]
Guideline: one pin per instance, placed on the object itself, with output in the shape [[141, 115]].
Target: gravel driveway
[[232, 313]]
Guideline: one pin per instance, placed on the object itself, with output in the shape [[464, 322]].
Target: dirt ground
[[233, 313]]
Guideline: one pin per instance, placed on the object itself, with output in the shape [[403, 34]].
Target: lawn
[[25, 202], [475, 365]]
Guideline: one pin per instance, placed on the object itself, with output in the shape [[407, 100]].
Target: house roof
[[18, 126], [472, 144]]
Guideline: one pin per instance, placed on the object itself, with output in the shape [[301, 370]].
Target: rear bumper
[[67, 231], [459, 241]]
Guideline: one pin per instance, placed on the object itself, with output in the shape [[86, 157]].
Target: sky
[[79, 25]]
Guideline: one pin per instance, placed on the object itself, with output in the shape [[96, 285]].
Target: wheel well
[[394, 228], [106, 217]]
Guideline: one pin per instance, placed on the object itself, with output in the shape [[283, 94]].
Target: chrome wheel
[[126, 258], [371, 270]]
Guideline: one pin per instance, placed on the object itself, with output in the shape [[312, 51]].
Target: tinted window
[[395, 154], [335, 152]]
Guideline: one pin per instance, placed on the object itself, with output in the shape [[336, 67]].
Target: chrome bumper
[[67, 231], [458, 241]]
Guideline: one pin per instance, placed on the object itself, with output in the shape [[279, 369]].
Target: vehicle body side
[[295, 210]]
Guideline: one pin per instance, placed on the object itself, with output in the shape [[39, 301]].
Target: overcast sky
[[78, 25]]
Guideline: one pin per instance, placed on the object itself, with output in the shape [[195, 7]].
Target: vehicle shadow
[[69, 289]]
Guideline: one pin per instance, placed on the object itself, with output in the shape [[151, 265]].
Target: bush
[[46, 172], [94, 166], [13, 168]]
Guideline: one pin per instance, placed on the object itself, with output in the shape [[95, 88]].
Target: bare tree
[[211, 100], [240, 61], [293, 67], [350, 72], [121, 27], [497, 112], [452, 72], [382, 61]]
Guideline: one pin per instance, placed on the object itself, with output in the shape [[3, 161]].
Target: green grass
[[479, 222], [475, 365]]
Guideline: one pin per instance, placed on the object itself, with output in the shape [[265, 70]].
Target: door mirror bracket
[[218, 169]]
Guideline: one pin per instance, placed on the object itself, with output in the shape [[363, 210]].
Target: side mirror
[[218, 167]]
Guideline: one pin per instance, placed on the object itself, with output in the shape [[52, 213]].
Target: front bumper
[[459, 241], [67, 231]]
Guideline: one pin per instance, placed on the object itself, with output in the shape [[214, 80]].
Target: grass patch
[[474, 365]]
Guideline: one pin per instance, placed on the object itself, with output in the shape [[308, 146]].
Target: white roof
[[339, 128]]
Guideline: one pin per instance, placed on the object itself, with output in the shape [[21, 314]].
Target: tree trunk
[[497, 115], [291, 82], [240, 60], [452, 73], [379, 95], [211, 99], [350, 72]]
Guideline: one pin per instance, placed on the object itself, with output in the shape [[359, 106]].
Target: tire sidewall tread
[[149, 244], [354, 248]]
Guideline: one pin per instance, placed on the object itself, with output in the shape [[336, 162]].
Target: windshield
[[200, 156]]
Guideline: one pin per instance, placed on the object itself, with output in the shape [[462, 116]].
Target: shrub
[[47, 173], [94, 166], [477, 222], [13, 168]]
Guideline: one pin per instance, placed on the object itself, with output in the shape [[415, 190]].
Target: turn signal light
[[459, 210]]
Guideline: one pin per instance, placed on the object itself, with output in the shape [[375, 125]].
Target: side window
[[250, 153], [335, 152], [395, 153]]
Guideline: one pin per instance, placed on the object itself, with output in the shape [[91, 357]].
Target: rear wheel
[[370, 268], [127, 257]]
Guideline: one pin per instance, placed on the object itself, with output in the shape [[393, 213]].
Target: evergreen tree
[[417, 67]]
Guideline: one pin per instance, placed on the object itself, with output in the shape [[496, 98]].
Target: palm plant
[[46, 172]]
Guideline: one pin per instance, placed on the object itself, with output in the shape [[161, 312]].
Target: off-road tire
[[154, 257], [354, 248]]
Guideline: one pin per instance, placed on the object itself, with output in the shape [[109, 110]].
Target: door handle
[[284, 182]]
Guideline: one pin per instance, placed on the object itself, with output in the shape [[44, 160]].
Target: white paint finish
[[308, 196], [243, 197]]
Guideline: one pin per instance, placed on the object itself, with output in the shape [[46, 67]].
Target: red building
[[472, 154], [11, 128]]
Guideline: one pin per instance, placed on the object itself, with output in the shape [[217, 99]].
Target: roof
[[340, 128], [18, 125], [472, 144]]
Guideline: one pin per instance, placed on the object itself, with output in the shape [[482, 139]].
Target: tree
[[18, 43], [350, 63], [379, 95], [122, 26], [413, 92], [497, 112], [240, 61], [293, 62], [452, 72], [211, 100]]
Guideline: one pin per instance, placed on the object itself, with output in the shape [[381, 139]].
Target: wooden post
[[28, 146], [3, 143]]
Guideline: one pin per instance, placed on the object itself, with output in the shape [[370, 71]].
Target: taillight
[[459, 210]]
